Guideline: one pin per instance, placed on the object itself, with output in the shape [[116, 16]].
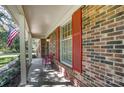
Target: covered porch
[[41, 76], [36, 23], [84, 42]]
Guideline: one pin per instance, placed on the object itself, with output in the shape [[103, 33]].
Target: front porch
[[40, 75], [85, 43]]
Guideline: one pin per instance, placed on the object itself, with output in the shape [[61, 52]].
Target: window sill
[[66, 64]]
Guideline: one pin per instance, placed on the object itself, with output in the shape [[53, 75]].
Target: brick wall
[[52, 43], [43, 43], [103, 45]]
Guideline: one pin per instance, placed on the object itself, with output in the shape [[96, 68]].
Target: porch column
[[30, 47], [22, 50]]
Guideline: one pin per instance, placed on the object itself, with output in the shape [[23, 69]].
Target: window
[[66, 44]]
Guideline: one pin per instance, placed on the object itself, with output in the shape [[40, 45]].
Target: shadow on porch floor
[[41, 76]]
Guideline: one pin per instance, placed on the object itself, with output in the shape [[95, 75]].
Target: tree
[[3, 40], [5, 22]]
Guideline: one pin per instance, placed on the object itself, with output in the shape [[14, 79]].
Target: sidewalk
[[41, 76]]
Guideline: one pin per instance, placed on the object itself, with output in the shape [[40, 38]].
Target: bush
[[6, 60]]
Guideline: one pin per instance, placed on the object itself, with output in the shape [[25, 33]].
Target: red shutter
[[77, 40], [58, 44]]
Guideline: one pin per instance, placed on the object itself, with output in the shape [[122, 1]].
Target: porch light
[[48, 40]]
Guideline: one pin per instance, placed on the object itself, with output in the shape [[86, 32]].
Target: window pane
[[66, 44]]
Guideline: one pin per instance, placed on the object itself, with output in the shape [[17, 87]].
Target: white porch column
[[30, 47], [22, 50]]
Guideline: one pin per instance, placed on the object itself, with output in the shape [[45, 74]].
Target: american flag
[[11, 35]]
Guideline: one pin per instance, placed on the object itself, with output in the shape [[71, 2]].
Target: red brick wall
[[58, 44], [52, 43], [103, 45], [43, 46]]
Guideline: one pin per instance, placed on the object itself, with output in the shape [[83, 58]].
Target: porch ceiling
[[42, 19]]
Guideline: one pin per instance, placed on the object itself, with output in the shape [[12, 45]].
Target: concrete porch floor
[[41, 76]]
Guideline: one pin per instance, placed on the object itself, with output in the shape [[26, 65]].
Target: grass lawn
[[6, 60]]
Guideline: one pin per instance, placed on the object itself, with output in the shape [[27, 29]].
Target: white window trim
[[65, 63], [62, 40]]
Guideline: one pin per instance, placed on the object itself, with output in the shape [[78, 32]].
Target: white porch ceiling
[[43, 19]]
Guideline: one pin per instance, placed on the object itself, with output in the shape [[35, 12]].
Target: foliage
[[7, 74], [3, 42], [5, 60], [6, 20]]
